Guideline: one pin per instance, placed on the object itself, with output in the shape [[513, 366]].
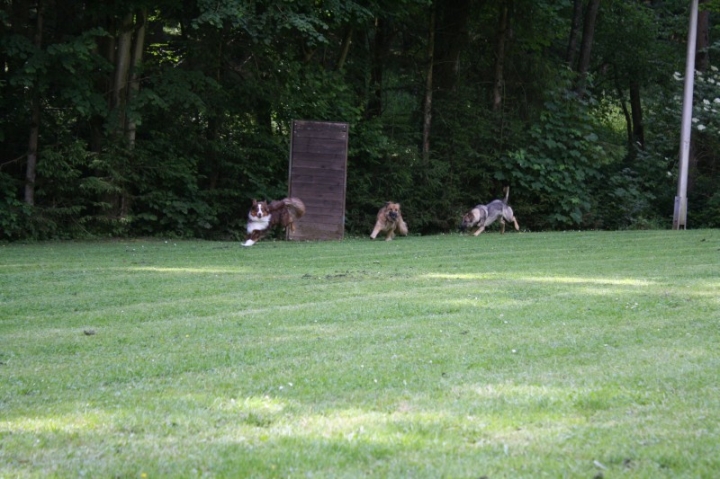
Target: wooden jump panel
[[318, 176]]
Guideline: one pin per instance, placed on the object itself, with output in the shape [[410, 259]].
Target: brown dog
[[263, 216], [389, 221]]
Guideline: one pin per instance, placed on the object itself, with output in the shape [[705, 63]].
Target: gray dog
[[485, 215]]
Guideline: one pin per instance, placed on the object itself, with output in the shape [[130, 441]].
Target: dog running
[[263, 216], [485, 215], [389, 221]]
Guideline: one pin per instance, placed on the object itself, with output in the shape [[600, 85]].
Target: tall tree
[[134, 74], [35, 113], [502, 33], [129, 45], [381, 41], [638, 126], [702, 55], [588, 37], [631, 60], [427, 111], [702, 64], [576, 22]]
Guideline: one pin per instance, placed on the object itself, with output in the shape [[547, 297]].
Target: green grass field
[[579, 354]]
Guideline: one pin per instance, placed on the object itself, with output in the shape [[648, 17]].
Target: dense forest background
[[165, 117]]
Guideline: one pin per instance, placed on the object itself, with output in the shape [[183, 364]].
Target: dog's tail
[[507, 194], [295, 206]]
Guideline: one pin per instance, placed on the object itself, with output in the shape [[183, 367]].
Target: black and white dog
[[485, 215]]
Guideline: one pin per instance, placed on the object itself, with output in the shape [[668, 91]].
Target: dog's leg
[[402, 227], [510, 218], [390, 235], [253, 238], [502, 226], [375, 232], [480, 230]]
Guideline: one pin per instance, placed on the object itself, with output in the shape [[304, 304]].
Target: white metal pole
[[680, 214]]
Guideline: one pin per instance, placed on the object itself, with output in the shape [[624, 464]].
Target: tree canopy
[[158, 117]]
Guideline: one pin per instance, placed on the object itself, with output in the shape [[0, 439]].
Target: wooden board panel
[[324, 216], [318, 176], [319, 163], [318, 145], [321, 206], [314, 176], [318, 129]]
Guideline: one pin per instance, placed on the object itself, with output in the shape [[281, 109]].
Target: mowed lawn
[[526, 355]]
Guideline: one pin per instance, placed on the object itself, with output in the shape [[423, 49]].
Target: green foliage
[[221, 82], [706, 108], [64, 205], [704, 203], [310, 92], [466, 144], [14, 214], [382, 171], [711, 5], [68, 69], [704, 173], [627, 41], [167, 194], [562, 156], [622, 200]]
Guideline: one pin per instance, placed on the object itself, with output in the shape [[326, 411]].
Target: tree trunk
[[586, 45], [133, 87], [379, 50], [347, 41], [122, 67], [499, 81], [626, 114], [427, 114], [702, 53], [574, 33], [34, 138], [31, 167], [638, 128], [628, 122], [137, 51], [120, 97]]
